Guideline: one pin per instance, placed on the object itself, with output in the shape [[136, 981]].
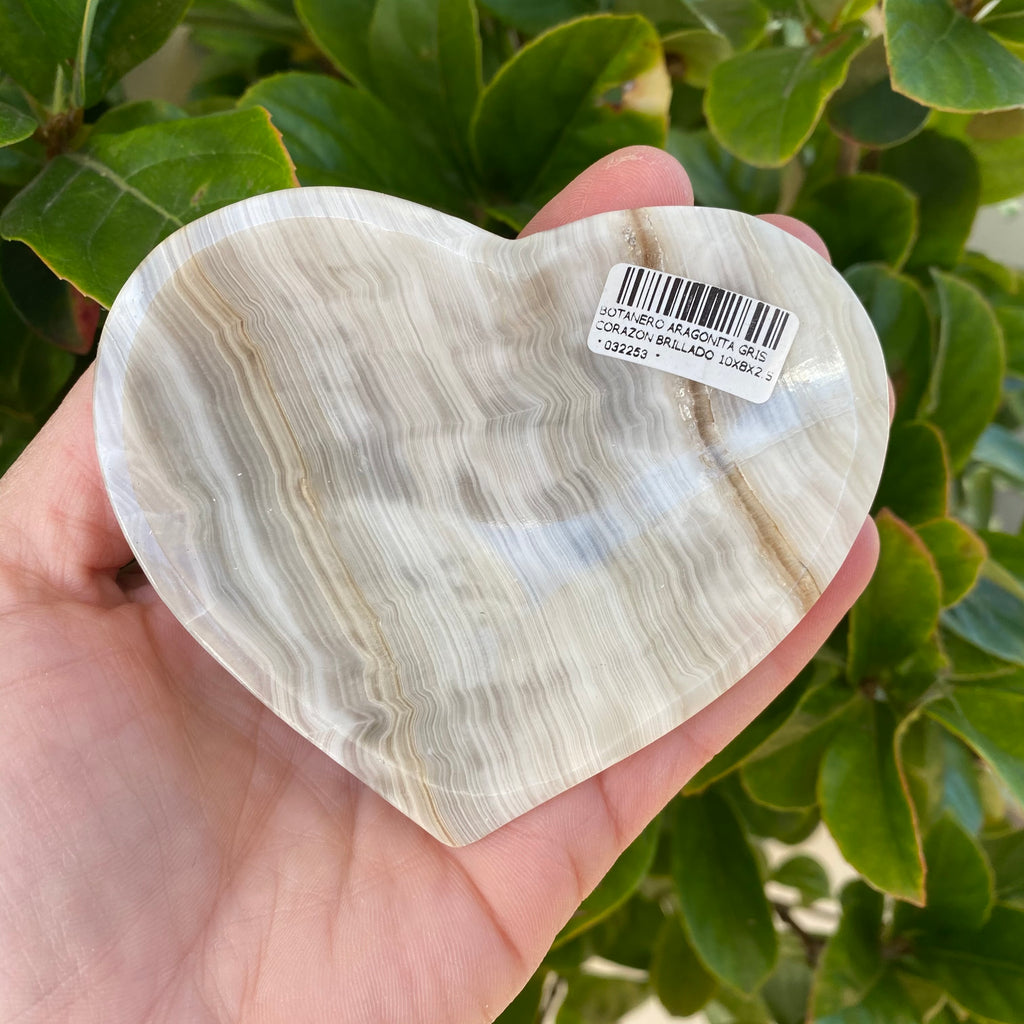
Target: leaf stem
[[849, 157], [813, 944], [58, 131], [78, 82]]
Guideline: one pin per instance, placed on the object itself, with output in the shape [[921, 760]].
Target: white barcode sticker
[[699, 331]]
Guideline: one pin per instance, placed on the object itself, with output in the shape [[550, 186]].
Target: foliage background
[[884, 127]]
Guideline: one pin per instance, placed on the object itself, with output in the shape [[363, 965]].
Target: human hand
[[171, 851]]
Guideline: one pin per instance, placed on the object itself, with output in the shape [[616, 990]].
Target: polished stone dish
[[364, 454]]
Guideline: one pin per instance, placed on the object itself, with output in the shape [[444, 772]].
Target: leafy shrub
[[883, 129]]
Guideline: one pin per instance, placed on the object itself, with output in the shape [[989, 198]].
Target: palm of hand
[[172, 851], [171, 831]]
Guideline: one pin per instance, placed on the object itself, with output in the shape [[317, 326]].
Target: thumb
[[56, 522]]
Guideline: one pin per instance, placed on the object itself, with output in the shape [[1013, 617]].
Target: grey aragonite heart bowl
[[364, 453]]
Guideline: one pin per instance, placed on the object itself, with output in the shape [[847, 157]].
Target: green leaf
[[741, 22], [694, 53], [617, 886], [627, 935], [1009, 679], [887, 1001], [967, 381], [788, 988], [213, 104], [20, 163], [686, 110], [92, 215], [913, 678], [1011, 321], [15, 433], [755, 734], [996, 281], [823, 698], [732, 1007], [441, 81], [941, 774], [818, 161], [787, 779], [240, 41], [763, 105], [1006, 21], [32, 375], [867, 110], [264, 16], [1001, 165], [525, 1008], [569, 97], [899, 610], [946, 1015], [598, 1000], [128, 116], [420, 57], [976, 504], [789, 826], [989, 617], [959, 881], [571, 955], [944, 175], [784, 772], [968, 662], [865, 805], [999, 806], [982, 968], [806, 875], [997, 142], [899, 313], [915, 479], [680, 980], [838, 12], [1008, 551], [990, 720], [720, 891], [852, 960], [459, 65], [943, 59], [967, 378], [77, 49], [720, 179], [1006, 856], [958, 552], [14, 125], [51, 308], [338, 135], [862, 218], [1003, 451], [533, 16]]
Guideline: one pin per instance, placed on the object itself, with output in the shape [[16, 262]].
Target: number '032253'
[[622, 349]]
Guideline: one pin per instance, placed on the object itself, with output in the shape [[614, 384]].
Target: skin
[[171, 851]]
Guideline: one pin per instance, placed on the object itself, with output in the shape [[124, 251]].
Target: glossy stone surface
[[364, 454]]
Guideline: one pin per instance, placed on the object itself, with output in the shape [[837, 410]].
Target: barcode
[[717, 309]]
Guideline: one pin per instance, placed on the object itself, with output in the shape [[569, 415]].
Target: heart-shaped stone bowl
[[363, 452]]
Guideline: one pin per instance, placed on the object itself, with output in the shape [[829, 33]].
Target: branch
[[813, 944]]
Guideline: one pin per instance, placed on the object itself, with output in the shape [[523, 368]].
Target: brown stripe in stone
[[642, 241], [645, 250], [358, 618], [789, 567]]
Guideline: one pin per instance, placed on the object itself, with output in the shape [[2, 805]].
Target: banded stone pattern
[[365, 456]]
